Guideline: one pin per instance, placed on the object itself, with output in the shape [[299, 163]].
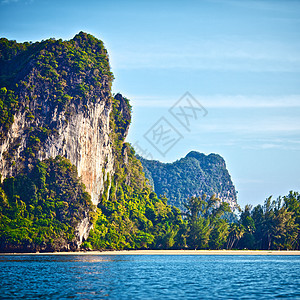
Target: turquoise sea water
[[149, 277]]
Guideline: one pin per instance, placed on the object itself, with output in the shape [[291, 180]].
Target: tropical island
[[70, 182]]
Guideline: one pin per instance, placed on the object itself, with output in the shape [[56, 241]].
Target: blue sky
[[239, 59]]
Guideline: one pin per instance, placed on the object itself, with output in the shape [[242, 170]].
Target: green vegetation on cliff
[[39, 209], [46, 77], [8, 107]]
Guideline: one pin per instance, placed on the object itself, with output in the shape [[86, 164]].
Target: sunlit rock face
[[84, 139]]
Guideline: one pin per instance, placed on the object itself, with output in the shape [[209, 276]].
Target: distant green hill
[[193, 175]]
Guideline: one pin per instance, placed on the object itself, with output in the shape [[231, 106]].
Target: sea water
[[149, 277]]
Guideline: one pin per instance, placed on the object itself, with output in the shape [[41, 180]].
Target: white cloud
[[279, 6], [222, 101], [250, 127], [287, 146], [270, 146], [15, 1], [256, 101], [8, 1], [221, 53], [261, 134]]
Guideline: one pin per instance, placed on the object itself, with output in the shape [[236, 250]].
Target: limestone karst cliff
[[193, 175], [56, 100], [63, 107]]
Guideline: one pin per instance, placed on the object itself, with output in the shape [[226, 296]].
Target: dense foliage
[[40, 209], [274, 225], [136, 218], [131, 216], [52, 61], [194, 175], [8, 106], [206, 229]]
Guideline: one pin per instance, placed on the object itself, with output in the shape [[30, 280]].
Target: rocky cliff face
[[83, 139], [63, 112], [58, 102], [193, 175]]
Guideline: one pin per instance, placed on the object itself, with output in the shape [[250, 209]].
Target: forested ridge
[[193, 175]]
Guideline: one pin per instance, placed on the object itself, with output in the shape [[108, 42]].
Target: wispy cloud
[[15, 1], [279, 6], [246, 142], [269, 133], [250, 126], [223, 101], [287, 147], [256, 101], [220, 53], [270, 146], [239, 121], [9, 1]]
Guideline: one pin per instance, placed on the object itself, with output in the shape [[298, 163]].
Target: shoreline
[[168, 252]]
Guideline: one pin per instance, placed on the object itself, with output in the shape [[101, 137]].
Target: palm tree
[[236, 232]]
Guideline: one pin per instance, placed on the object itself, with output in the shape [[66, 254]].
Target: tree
[[275, 225], [247, 240], [236, 232], [203, 219], [292, 203]]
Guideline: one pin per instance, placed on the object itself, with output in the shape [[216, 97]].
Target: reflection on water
[[149, 277], [54, 258]]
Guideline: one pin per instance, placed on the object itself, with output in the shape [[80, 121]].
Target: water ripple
[[149, 277]]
